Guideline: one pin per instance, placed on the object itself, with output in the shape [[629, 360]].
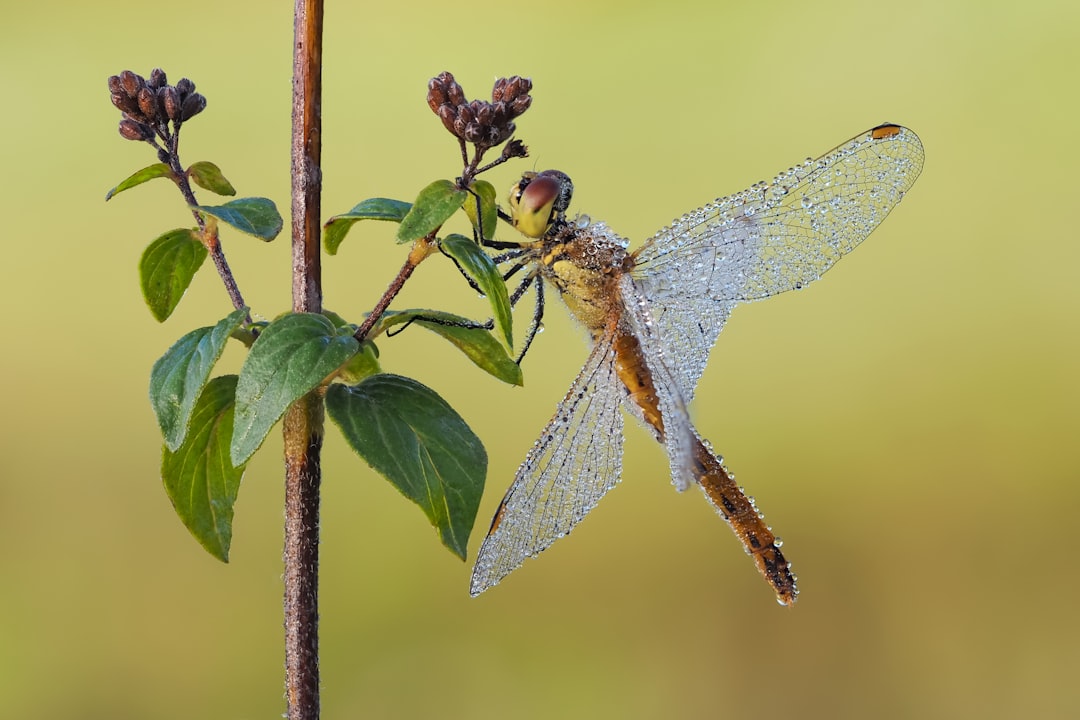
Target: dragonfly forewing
[[769, 238]]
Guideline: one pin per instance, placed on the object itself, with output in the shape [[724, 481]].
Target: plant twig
[[303, 423], [208, 232], [423, 248]]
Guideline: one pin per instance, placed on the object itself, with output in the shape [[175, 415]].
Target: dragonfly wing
[[770, 238], [657, 359], [577, 459]]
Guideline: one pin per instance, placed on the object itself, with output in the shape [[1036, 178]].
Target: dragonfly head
[[538, 200]]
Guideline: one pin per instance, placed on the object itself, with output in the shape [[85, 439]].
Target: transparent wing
[[577, 459], [770, 238], [649, 358]]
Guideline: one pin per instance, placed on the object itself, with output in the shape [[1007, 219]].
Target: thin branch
[[422, 249], [208, 232]]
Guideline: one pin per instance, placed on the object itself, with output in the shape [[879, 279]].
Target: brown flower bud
[[157, 79], [497, 134], [436, 96], [171, 101], [447, 113], [185, 87], [474, 132], [509, 89], [523, 85], [454, 92], [148, 103], [125, 104], [521, 104], [193, 104], [484, 113], [444, 89], [134, 130], [115, 86], [466, 113], [132, 83]]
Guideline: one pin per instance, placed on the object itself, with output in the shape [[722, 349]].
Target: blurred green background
[[909, 424]]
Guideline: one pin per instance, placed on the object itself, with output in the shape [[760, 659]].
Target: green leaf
[[166, 268], [147, 173], [337, 320], [207, 175], [434, 206], [292, 356], [337, 227], [478, 344], [254, 216], [361, 365], [488, 209], [478, 265], [179, 375], [416, 441], [199, 478]]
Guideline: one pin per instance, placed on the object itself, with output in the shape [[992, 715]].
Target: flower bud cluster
[[149, 105], [482, 123]]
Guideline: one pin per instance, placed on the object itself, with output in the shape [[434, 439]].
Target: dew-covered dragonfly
[[653, 315]]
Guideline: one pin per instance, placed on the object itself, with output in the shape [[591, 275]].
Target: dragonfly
[[653, 315]]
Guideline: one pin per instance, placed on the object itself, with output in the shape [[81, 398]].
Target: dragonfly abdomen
[[746, 521], [709, 472]]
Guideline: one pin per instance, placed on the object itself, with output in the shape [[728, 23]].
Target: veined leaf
[[207, 175], [478, 265], [166, 268], [337, 227], [201, 481], [361, 365], [434, 206], [416, 441], [147, 173], [292, 356], [488, 208], [254, 216], [478, 344], [179, 375]]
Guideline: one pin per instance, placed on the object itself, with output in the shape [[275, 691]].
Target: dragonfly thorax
[[585, 262]]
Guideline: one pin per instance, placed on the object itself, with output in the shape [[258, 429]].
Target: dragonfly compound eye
[[538, 199]]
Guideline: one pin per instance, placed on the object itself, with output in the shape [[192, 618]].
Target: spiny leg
[[538, 312], [490, 322]]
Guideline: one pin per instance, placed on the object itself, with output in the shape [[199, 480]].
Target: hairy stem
[[423, 248], [208, 232], [303, 423]]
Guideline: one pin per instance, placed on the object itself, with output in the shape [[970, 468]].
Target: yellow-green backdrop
[[909, 424]]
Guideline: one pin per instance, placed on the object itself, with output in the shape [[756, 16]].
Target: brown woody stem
[[303, 423]]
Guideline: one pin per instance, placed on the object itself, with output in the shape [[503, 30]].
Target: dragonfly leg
[[538, 312]]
